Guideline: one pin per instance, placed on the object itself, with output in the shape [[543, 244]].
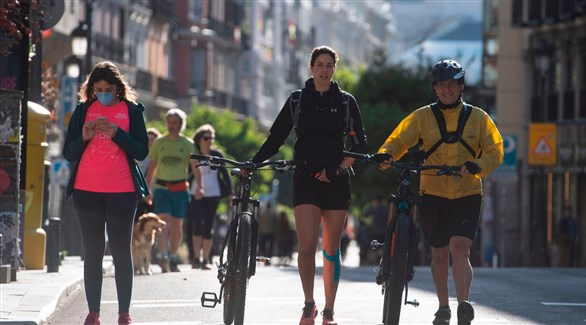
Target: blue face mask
[[105, 98]]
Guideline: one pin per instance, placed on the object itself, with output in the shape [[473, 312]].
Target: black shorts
[[442, 219], [326, 196]]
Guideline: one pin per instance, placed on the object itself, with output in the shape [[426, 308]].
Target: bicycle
[[397, 266], [240, 243]]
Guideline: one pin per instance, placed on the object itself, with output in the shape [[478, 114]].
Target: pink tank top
[[103, 167]]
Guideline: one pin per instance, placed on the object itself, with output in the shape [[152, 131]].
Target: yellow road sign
[[542, 144]]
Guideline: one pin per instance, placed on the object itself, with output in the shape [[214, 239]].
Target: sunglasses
[[207, 138]]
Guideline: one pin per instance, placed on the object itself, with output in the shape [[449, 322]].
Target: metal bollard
[[53, 245]]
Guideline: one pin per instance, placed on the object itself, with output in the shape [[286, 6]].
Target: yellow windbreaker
[[480, 133]]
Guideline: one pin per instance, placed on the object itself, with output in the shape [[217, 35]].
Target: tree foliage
[[238, 138], [15, 22], [386, 95]]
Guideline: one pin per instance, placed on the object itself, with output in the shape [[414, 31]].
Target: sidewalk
[[35, 294]]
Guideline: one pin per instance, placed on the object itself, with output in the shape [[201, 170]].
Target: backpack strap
[[450, 137], [294, 106], [348, 119]]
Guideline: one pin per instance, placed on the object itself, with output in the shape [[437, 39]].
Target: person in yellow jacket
[[455, 133]]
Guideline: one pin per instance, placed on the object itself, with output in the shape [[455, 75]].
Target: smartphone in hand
[[102, 120]]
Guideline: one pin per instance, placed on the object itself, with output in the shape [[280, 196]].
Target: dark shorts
[[442, 219], [326, 196], [173, 203]]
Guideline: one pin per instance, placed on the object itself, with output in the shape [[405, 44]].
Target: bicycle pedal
[[413, 303], [209, 299], [375, 244], [262, 259]]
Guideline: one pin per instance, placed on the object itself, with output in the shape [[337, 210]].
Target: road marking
[[570, 304]]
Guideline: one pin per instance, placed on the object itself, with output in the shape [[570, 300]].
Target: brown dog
[[143, 238]]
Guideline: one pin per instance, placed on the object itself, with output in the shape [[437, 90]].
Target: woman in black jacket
[[105, 138], [323, 117]]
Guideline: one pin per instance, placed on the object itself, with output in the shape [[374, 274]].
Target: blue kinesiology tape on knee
[[337, 265]]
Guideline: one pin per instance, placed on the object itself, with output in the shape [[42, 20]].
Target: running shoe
[[465, 313], [164, 263], [442, 316], [206, 265], [308, 316], [124, 318], [93, 318], [173, 264]]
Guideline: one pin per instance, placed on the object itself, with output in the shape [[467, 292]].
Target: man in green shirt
[[170, 165]]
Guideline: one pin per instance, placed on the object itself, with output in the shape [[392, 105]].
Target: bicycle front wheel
[[242, 260], [395, 282]]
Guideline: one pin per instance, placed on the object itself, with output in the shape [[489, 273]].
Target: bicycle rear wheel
[[242, 260], [395, 282]]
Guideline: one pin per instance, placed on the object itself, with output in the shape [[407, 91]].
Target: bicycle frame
[[240, 243], [396, 267]]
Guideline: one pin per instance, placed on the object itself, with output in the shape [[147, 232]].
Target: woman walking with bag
[[215, 185]]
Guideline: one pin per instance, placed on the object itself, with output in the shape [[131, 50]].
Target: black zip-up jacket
[[320, 128], [135, 143]]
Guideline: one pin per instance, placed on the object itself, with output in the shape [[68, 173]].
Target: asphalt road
[[500, 296]]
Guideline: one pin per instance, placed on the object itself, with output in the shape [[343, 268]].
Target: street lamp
[[79, 42]]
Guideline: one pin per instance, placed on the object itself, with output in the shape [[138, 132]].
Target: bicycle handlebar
[[277, 164], [369, 158]]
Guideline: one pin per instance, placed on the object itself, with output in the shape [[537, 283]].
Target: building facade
[[535, 66]]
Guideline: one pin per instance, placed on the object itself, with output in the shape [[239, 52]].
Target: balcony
[[110, 48], [144, 80], [166, 88], [162, 9], [222, 29]]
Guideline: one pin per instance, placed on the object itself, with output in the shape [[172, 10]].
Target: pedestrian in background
[[451, 132], [323, 116], [267, 227], [105, 137], [206, 195], [144, 205], [568, 238], [168, 173], [285, 238], [375, 223]]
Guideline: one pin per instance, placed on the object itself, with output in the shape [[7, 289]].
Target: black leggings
[[95, 212], [202, 213]]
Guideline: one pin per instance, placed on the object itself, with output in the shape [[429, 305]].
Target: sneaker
[[206, 265], [328, 317], [93, 318], [442, 316], [308, 316], [173, 264], [465, 313], [124, 318], [196, 264], [164, 263]]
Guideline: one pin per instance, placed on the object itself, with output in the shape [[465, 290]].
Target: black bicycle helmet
[[446, 70]]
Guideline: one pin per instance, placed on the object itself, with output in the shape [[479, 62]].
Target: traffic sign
[[510, 153], [542, 144]]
